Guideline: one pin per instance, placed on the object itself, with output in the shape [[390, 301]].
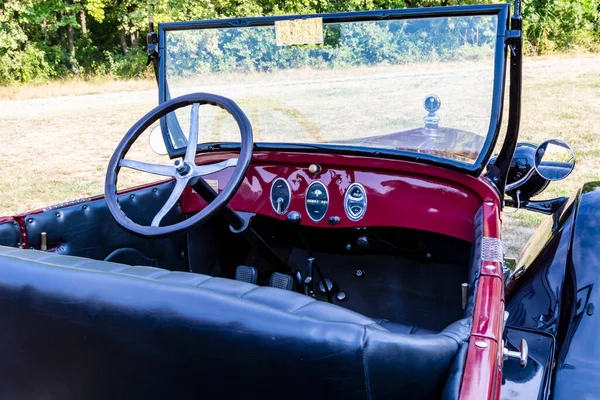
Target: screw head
[[360, 273]]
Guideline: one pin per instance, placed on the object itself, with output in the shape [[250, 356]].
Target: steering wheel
[[184, 171]]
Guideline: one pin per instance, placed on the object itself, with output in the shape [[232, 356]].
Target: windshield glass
[[422, 85]]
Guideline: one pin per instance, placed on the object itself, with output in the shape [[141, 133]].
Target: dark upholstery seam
[[364, 360], [203, 282], [302, 306], [249, 291]]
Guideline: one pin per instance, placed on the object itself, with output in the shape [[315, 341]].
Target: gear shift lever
[[312, 267], [309, 286]]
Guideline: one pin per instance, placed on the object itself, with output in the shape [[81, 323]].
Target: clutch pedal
[[281, 281], [247, 274]]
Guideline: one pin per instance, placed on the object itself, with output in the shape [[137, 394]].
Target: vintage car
[[348, 245]]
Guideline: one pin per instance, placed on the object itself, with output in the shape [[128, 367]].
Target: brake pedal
[[281, 281], [246, 274]]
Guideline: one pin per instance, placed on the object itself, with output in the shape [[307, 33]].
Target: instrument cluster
[[317, 200]]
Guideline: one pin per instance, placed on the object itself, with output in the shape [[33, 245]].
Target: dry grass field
[[55, 140]]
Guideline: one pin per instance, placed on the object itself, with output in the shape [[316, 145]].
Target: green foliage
[[45, 39], [197, 52], [559, 25]]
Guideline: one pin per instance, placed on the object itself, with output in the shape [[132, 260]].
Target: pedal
[[245, 273], [281, 281]]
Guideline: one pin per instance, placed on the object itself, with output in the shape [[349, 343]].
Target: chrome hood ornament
[[432, 104]]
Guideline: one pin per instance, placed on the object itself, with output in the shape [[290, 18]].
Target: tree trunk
[[45, 29], [60, 30], [134, 38], [123, 42], [83, 22], [71, 47]]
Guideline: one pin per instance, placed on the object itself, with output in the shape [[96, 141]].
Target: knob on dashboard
[[314, 168], [294, 216]]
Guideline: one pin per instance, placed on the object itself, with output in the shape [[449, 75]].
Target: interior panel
[[87, 229]]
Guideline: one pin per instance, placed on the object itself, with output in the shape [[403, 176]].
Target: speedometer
[[317, 201]]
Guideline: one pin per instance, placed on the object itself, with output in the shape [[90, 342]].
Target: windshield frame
[[502, 11]]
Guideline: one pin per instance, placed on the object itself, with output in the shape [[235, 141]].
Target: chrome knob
[[314, 168], [522, 355]]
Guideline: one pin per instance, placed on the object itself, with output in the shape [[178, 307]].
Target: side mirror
[[157, 143], [554, 160], [533, 168]]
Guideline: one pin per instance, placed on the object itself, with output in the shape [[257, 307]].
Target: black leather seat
[[404, 329], [75, 328]]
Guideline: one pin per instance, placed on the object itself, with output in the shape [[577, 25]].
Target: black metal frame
[[501, 10], [498, 171]]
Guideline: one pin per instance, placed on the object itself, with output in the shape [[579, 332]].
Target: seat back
[[75, 328]]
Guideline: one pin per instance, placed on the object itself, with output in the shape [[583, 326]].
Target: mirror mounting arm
[[547, 207], [497, 173]]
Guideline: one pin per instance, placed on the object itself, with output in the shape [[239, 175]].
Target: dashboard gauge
[[280, 196], [355, 201], [317, 201]]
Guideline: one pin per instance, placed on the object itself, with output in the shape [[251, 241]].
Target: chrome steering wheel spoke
[[156, 169], [180, 185], [200, 170], [190, 151]]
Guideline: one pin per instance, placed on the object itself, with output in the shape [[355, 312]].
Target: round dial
[[317, 201], [355, 202], [280, 196]]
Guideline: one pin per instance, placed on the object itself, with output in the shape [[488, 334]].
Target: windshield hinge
[[511, 36], [152, 41]]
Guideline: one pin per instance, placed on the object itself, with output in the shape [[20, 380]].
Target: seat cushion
[[79, 328]]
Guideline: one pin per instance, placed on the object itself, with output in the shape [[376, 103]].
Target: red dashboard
[[398, 193]]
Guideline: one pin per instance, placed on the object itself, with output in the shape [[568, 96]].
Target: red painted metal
[[400, 194], [481, 383], [486, 314], [483, 369]]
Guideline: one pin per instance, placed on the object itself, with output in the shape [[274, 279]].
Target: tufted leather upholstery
[[78, 328]]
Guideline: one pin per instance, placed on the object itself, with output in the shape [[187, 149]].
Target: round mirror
[[554, 160], [157, 144]]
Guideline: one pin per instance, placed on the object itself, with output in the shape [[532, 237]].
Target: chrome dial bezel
[[306, 201], [289, 190], [349, 214]]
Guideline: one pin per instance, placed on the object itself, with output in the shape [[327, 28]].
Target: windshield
[[422, 85]]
